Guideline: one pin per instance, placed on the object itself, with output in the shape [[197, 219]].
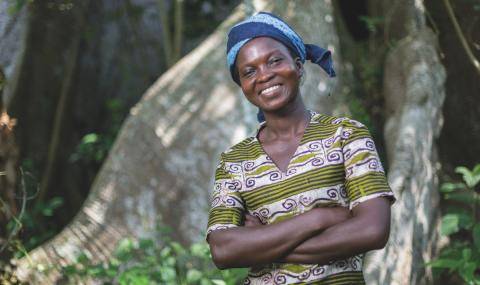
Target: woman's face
[[268, 74]]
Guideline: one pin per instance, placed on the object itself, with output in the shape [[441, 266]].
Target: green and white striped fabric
[[336, 164]]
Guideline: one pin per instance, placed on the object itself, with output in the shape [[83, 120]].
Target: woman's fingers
[[251, 221]]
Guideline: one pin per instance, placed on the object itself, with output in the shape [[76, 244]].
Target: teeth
[[270, 89]]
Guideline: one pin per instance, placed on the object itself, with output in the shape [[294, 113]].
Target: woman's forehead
[[258, 48]]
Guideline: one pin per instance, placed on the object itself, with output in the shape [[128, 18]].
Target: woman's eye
[[248, 73], [275, 60]]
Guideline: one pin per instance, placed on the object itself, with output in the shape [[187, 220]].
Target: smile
[[270, 89]]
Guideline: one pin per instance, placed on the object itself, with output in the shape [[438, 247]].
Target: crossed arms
[[317, 236]]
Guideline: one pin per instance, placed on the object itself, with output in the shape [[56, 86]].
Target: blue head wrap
[[265, 24]]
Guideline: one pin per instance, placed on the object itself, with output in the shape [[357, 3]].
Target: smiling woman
[[269, 75], [304, 198]]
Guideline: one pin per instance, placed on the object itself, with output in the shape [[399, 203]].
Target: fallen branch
[[460, 35]]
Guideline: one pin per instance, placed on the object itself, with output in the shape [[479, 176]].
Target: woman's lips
[[270, 90]]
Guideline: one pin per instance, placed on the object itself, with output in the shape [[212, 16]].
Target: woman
[[304, 198]]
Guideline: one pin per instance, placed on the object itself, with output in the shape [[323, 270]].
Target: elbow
[[379, 237], [219, 254], [218, 257], [380, 242]]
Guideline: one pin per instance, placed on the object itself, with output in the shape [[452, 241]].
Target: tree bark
[[14, 29], [414, 93], [160, 168]]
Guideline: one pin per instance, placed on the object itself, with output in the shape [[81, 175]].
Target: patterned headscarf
[[265, 24]]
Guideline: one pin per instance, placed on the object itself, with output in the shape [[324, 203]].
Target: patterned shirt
[[335, 164]]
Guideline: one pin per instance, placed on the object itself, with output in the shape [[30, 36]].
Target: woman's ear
[[299, 65]]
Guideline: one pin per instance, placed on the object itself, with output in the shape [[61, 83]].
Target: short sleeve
[[227, 207], [364, 175]]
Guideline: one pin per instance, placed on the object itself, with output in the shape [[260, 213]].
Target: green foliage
[[94, 147], [359, 112], [372, 23], [35, 216], [149, 261], [14, 6], [460, 223], [26, 228], [32, 224]]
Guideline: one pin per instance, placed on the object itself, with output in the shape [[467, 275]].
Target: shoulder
[[244, 150], [232, 158], [336, 121], [343, 126]]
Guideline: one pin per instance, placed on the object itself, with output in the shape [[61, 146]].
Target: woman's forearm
[[253, 246], [368, 229]]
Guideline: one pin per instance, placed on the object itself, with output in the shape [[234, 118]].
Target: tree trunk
[[160, 168], [414, 93], [13, 32]]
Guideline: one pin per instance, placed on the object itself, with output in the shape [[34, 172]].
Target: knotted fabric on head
[[265, 24]]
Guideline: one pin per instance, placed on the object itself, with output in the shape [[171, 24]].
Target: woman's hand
[[252, 221]]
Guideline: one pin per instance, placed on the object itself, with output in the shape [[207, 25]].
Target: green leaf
[[465, 217], [467, 271], [476, 175], [468, 176], [170, 261], [199, 250], [124, 249], [83, 258], [55, 202], [168, 273], [444, 263], [146, 244], [51, 205], [468, 197], [450, 224], [451, 187], [205, 281], [111, 272], [177, 247], [90, 138], [218, 282], [165, 252], [193, 275], [465, 221], [466, 254], [476, 236], [476, 169]]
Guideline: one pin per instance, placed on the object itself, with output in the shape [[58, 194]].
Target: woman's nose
[[265, 74]]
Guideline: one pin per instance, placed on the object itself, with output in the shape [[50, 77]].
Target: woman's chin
[[277, 105]]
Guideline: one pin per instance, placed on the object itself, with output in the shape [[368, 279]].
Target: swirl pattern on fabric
[[336, 164]]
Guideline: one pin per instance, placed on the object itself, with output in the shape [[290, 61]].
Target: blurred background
[[114, 113]]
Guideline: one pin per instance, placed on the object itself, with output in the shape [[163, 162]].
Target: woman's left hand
[[252, 221]]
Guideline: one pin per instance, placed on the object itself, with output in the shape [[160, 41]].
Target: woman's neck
[[287, 123]]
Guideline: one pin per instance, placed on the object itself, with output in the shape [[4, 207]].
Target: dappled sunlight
[[144, 213], [260, 5], [239, 134], [169, 125], [219, 103], [97, 209], [419, 6], [155, 168], [85, 235], [177, 74]]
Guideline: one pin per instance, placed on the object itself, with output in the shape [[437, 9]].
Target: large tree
[[160, 168], [413, 88]]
